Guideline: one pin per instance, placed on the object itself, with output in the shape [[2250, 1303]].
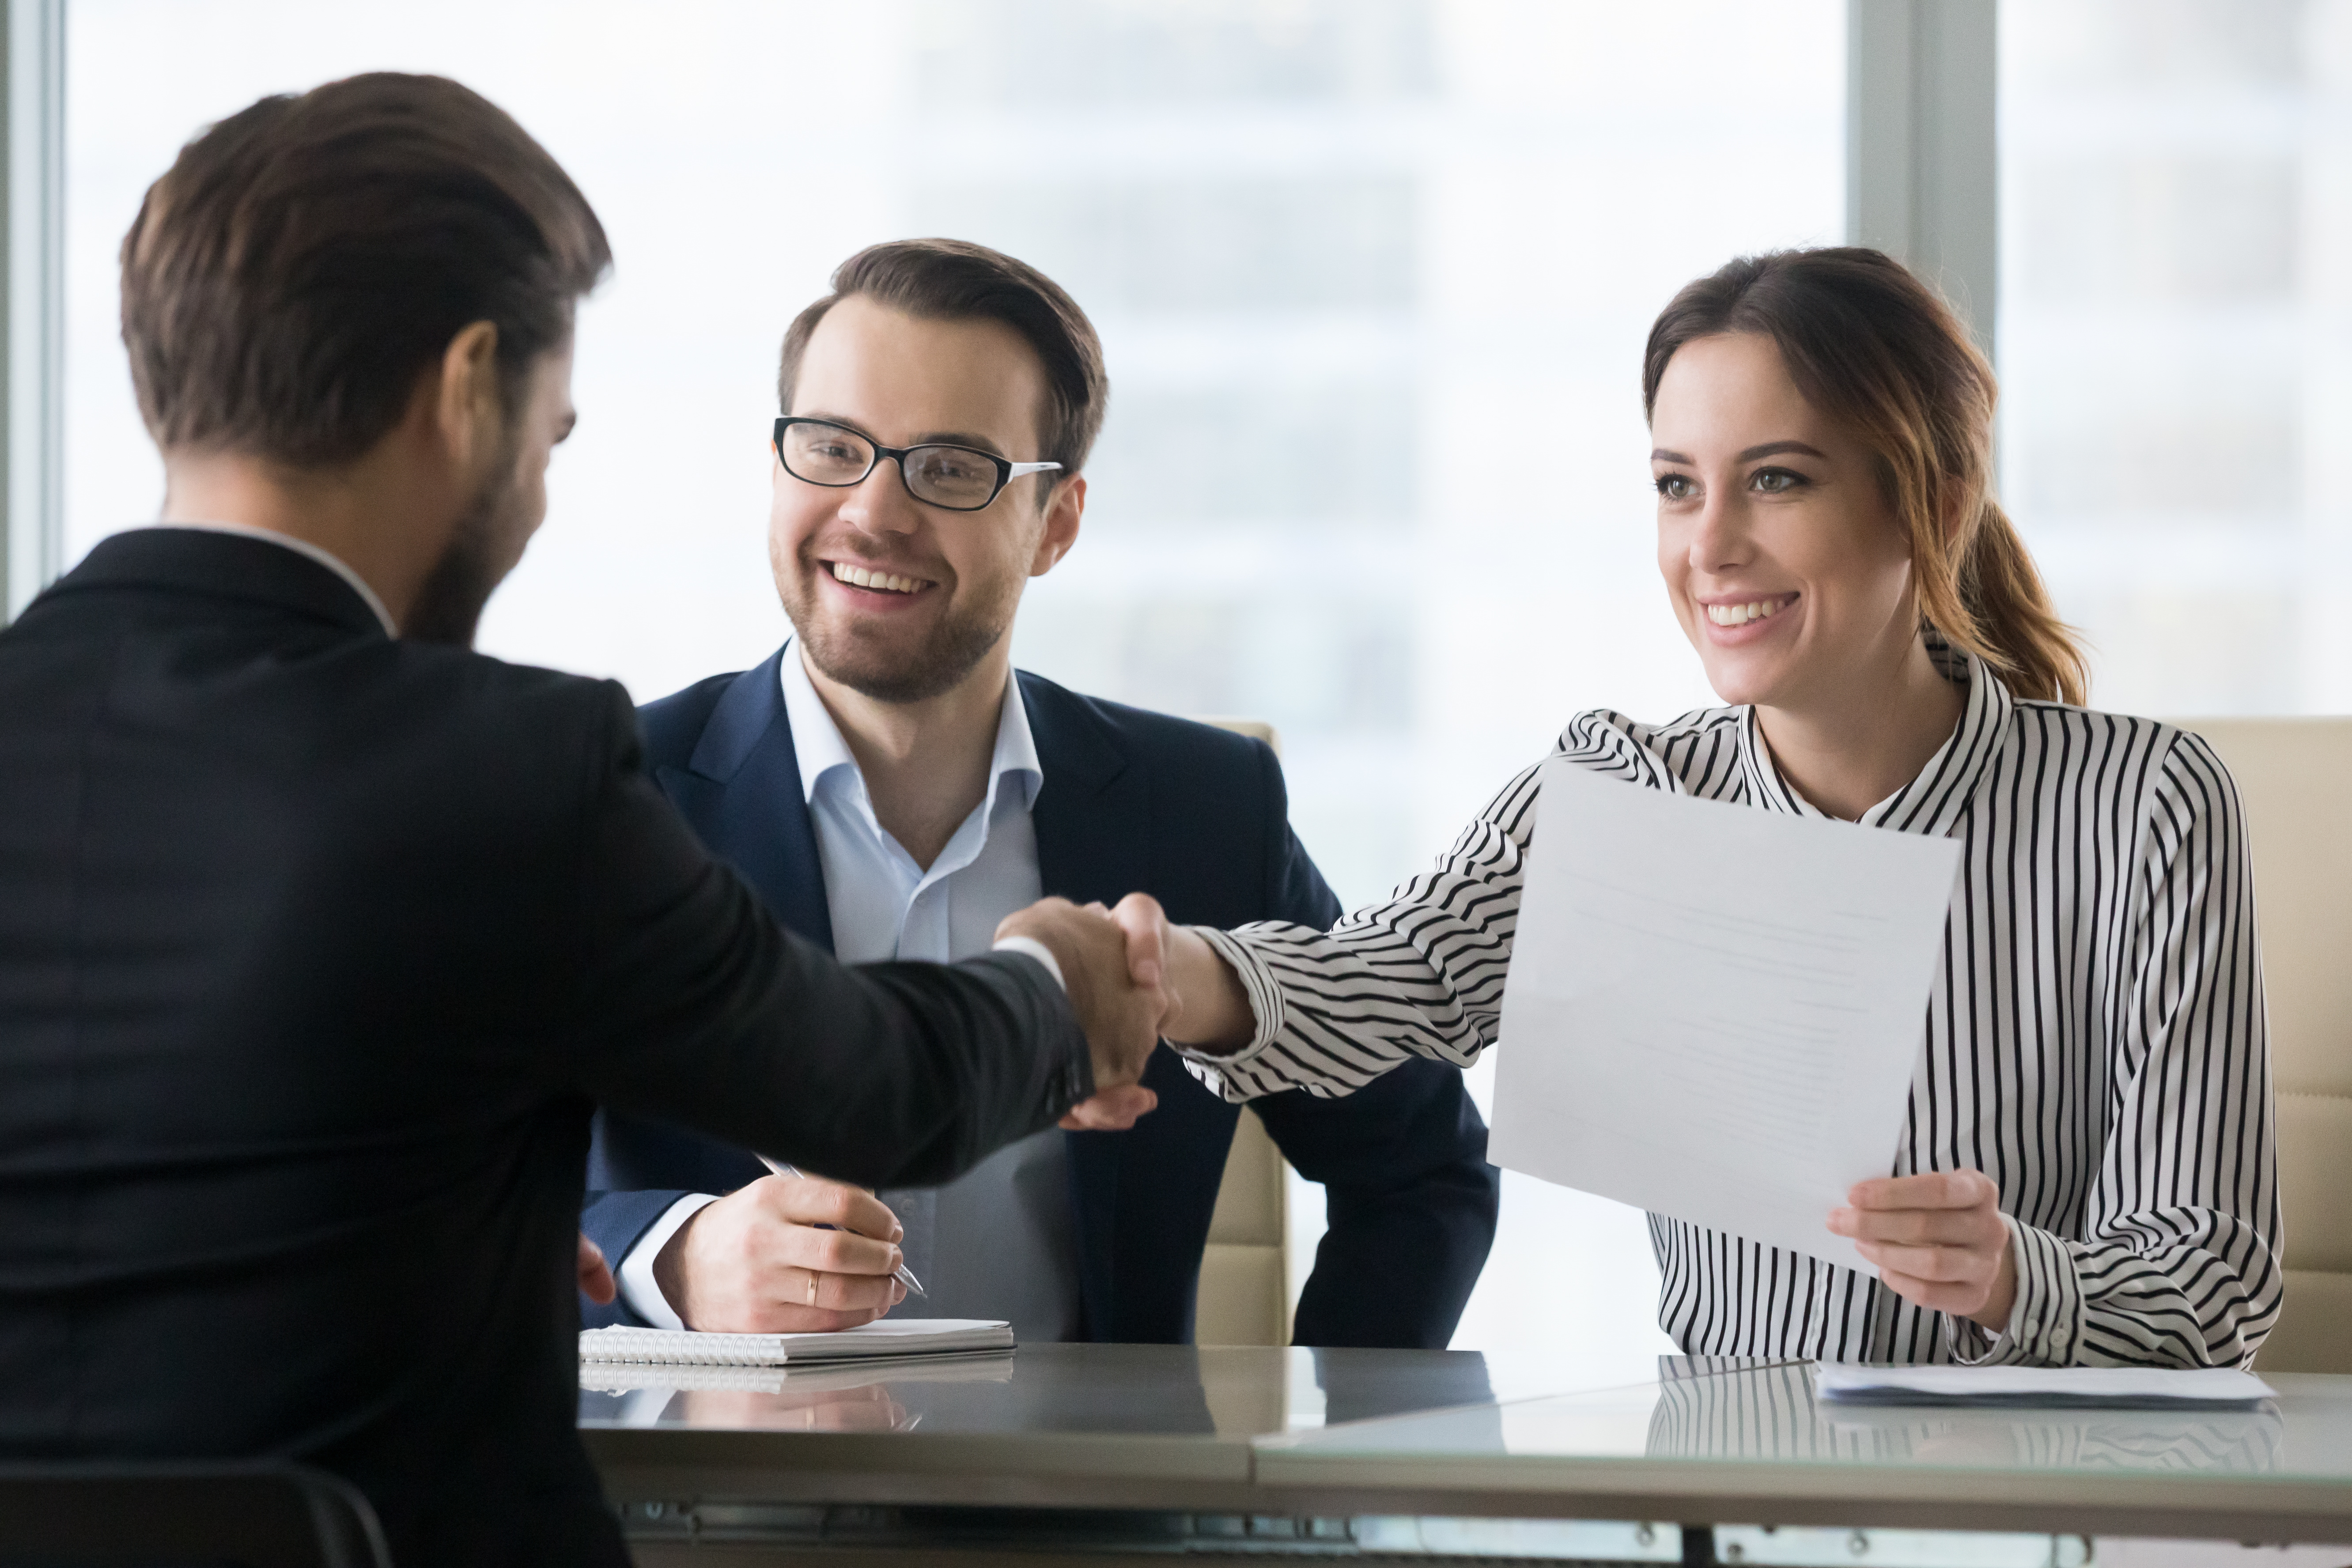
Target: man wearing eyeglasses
[[892, 788]]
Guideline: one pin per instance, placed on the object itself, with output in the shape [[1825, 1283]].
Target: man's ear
[[1062, 514], [469, 411]]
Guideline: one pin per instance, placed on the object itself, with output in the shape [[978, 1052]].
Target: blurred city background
[[1373, 277], [2176, 294]]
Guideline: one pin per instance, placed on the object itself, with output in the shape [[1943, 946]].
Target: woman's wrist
[[2001, 1301], [1212, 1013]]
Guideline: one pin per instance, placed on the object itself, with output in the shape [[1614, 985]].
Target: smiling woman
[[1821, 428], [1789, 575]]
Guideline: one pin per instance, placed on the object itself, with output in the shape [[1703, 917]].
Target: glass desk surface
[[1047, 1425], [1455, 1432], [1215, 1395], [1765, 1411], [1718, 1427]]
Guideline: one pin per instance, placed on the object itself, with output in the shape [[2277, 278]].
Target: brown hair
[[1875, 351], [954, 280], [305, 259]]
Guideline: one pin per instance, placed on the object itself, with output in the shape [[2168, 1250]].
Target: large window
[[2176, 289], [1373, 276]]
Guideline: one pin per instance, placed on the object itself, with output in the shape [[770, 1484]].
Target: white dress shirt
[[883, 905], [998, 1241], [2095, 1042]]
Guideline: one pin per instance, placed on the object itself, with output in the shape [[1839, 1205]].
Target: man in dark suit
[[320, 934], [890, 789]]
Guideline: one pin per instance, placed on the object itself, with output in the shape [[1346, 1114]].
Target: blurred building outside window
[[2176, 295]]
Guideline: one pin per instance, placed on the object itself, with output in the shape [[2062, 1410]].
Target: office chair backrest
[[1244, 1295], [168, 1515], [2289, 775]]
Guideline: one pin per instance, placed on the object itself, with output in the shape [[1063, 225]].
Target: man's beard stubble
[[448, 607], [958, 641]]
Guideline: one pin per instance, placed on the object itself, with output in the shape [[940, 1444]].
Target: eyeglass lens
[[944, 475]]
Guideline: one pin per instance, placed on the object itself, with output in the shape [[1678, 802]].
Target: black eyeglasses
[[955, 478]]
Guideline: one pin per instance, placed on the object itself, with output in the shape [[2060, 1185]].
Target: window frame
[[1922, 173], [32, 280]]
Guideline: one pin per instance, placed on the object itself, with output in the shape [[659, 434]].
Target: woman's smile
[[1739, 618]]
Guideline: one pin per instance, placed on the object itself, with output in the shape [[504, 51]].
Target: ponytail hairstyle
[[1875, 352]]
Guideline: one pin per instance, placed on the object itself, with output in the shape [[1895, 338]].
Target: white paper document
[[2042, 1387], [1714, 1012]]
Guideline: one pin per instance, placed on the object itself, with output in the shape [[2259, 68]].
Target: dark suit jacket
[[315, 949], [1197, 817]]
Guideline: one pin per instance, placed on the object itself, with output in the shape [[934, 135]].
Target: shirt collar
[[1937, 799], [818, 743], [301, 547]]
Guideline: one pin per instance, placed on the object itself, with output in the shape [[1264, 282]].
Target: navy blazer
[[1132, 800]]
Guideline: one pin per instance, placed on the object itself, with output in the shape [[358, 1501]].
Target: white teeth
[[1740, 614], [858, 576]]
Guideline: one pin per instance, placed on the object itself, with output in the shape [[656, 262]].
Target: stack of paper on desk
[[1714, 1012], [891, 1337], [2042, 1387]]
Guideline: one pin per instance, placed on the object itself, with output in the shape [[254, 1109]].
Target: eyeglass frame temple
[[1007, 470]]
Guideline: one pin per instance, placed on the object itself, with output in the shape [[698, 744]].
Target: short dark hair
[[303, 261], [954, 280]]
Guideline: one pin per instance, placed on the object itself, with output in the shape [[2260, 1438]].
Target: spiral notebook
[[891, 1337], [801, 1377]]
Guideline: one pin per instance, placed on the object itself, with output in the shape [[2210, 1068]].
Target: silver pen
[[904, 1275]]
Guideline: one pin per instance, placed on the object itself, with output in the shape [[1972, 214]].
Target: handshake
[[791, 1253], [1134, 978]]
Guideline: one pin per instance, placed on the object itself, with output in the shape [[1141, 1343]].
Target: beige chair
[[2289, 775], [1244, 1296]]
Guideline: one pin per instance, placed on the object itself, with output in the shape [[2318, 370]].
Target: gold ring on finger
[[812, 1289]]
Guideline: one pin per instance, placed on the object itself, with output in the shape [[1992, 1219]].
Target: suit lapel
[[1092, 822], [742, 791], [1093, 811]]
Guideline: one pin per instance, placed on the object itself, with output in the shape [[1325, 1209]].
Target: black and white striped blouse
[[2096, 1041]]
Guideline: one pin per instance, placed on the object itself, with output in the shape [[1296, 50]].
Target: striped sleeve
[[1421, 974], [2180, 1260]]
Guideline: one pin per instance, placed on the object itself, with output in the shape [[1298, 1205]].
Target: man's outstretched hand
[[1120, 1013], [1202, 1004], [1111, 1110]]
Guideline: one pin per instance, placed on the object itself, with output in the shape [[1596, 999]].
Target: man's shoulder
[[673, 725], [1154, 739], [531, 743], [513, 702]]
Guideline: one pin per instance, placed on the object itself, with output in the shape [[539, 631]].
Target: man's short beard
[[448, 607], [953, 650]]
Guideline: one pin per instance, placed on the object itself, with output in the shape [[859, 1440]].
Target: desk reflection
[[1769, 1412], [771, 1399], [1180, 1391], [1763, 1412]]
